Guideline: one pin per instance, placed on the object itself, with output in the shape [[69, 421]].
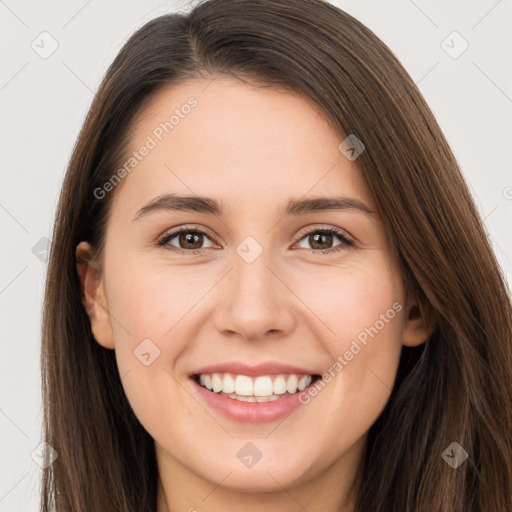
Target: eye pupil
[[315, 238], [187, 238]]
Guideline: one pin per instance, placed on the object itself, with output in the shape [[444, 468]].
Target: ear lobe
[[418, 326], [93, 295]]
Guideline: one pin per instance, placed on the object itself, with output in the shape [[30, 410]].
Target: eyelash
[[346, 242]]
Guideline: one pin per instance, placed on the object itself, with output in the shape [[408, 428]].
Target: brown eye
[[190, 240], [322, 240], [186, 240]]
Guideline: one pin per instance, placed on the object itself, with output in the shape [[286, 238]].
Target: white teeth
[[304, 382], [228, 385], [270, 398], [243, 385], [291, 385], [216, 383], [263, 388], [207, 381], [279, 385], [246, 398]]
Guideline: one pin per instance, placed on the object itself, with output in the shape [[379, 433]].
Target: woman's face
[[264, 293]]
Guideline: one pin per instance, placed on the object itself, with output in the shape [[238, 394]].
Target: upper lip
[[239, 368]]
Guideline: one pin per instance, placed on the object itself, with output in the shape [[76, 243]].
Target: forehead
[[229, 139]]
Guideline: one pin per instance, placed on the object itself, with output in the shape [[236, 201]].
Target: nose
[[254, 301]]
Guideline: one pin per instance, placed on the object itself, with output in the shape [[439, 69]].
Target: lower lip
[[251, 412]]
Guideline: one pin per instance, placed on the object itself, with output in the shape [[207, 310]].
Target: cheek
[[153, 300], [149, 320], [361, 311], [349, 299]]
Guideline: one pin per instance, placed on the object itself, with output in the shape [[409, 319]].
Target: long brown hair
[[456, 387]]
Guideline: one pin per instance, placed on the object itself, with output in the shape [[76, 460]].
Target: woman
[[337, 335]]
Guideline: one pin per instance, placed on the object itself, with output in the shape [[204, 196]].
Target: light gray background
[[44, 101]]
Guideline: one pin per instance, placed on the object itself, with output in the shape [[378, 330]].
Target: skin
[[253, 149]]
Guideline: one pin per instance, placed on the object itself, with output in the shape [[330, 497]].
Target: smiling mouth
[[263, 388]]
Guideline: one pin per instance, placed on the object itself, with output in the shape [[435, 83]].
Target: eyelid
[[173, 232], [334, 229], [187, 227]]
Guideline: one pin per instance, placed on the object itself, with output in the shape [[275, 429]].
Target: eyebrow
[[200, 204]]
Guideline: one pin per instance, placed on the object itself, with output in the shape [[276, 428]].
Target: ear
[[93, 296], [418, 325]]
